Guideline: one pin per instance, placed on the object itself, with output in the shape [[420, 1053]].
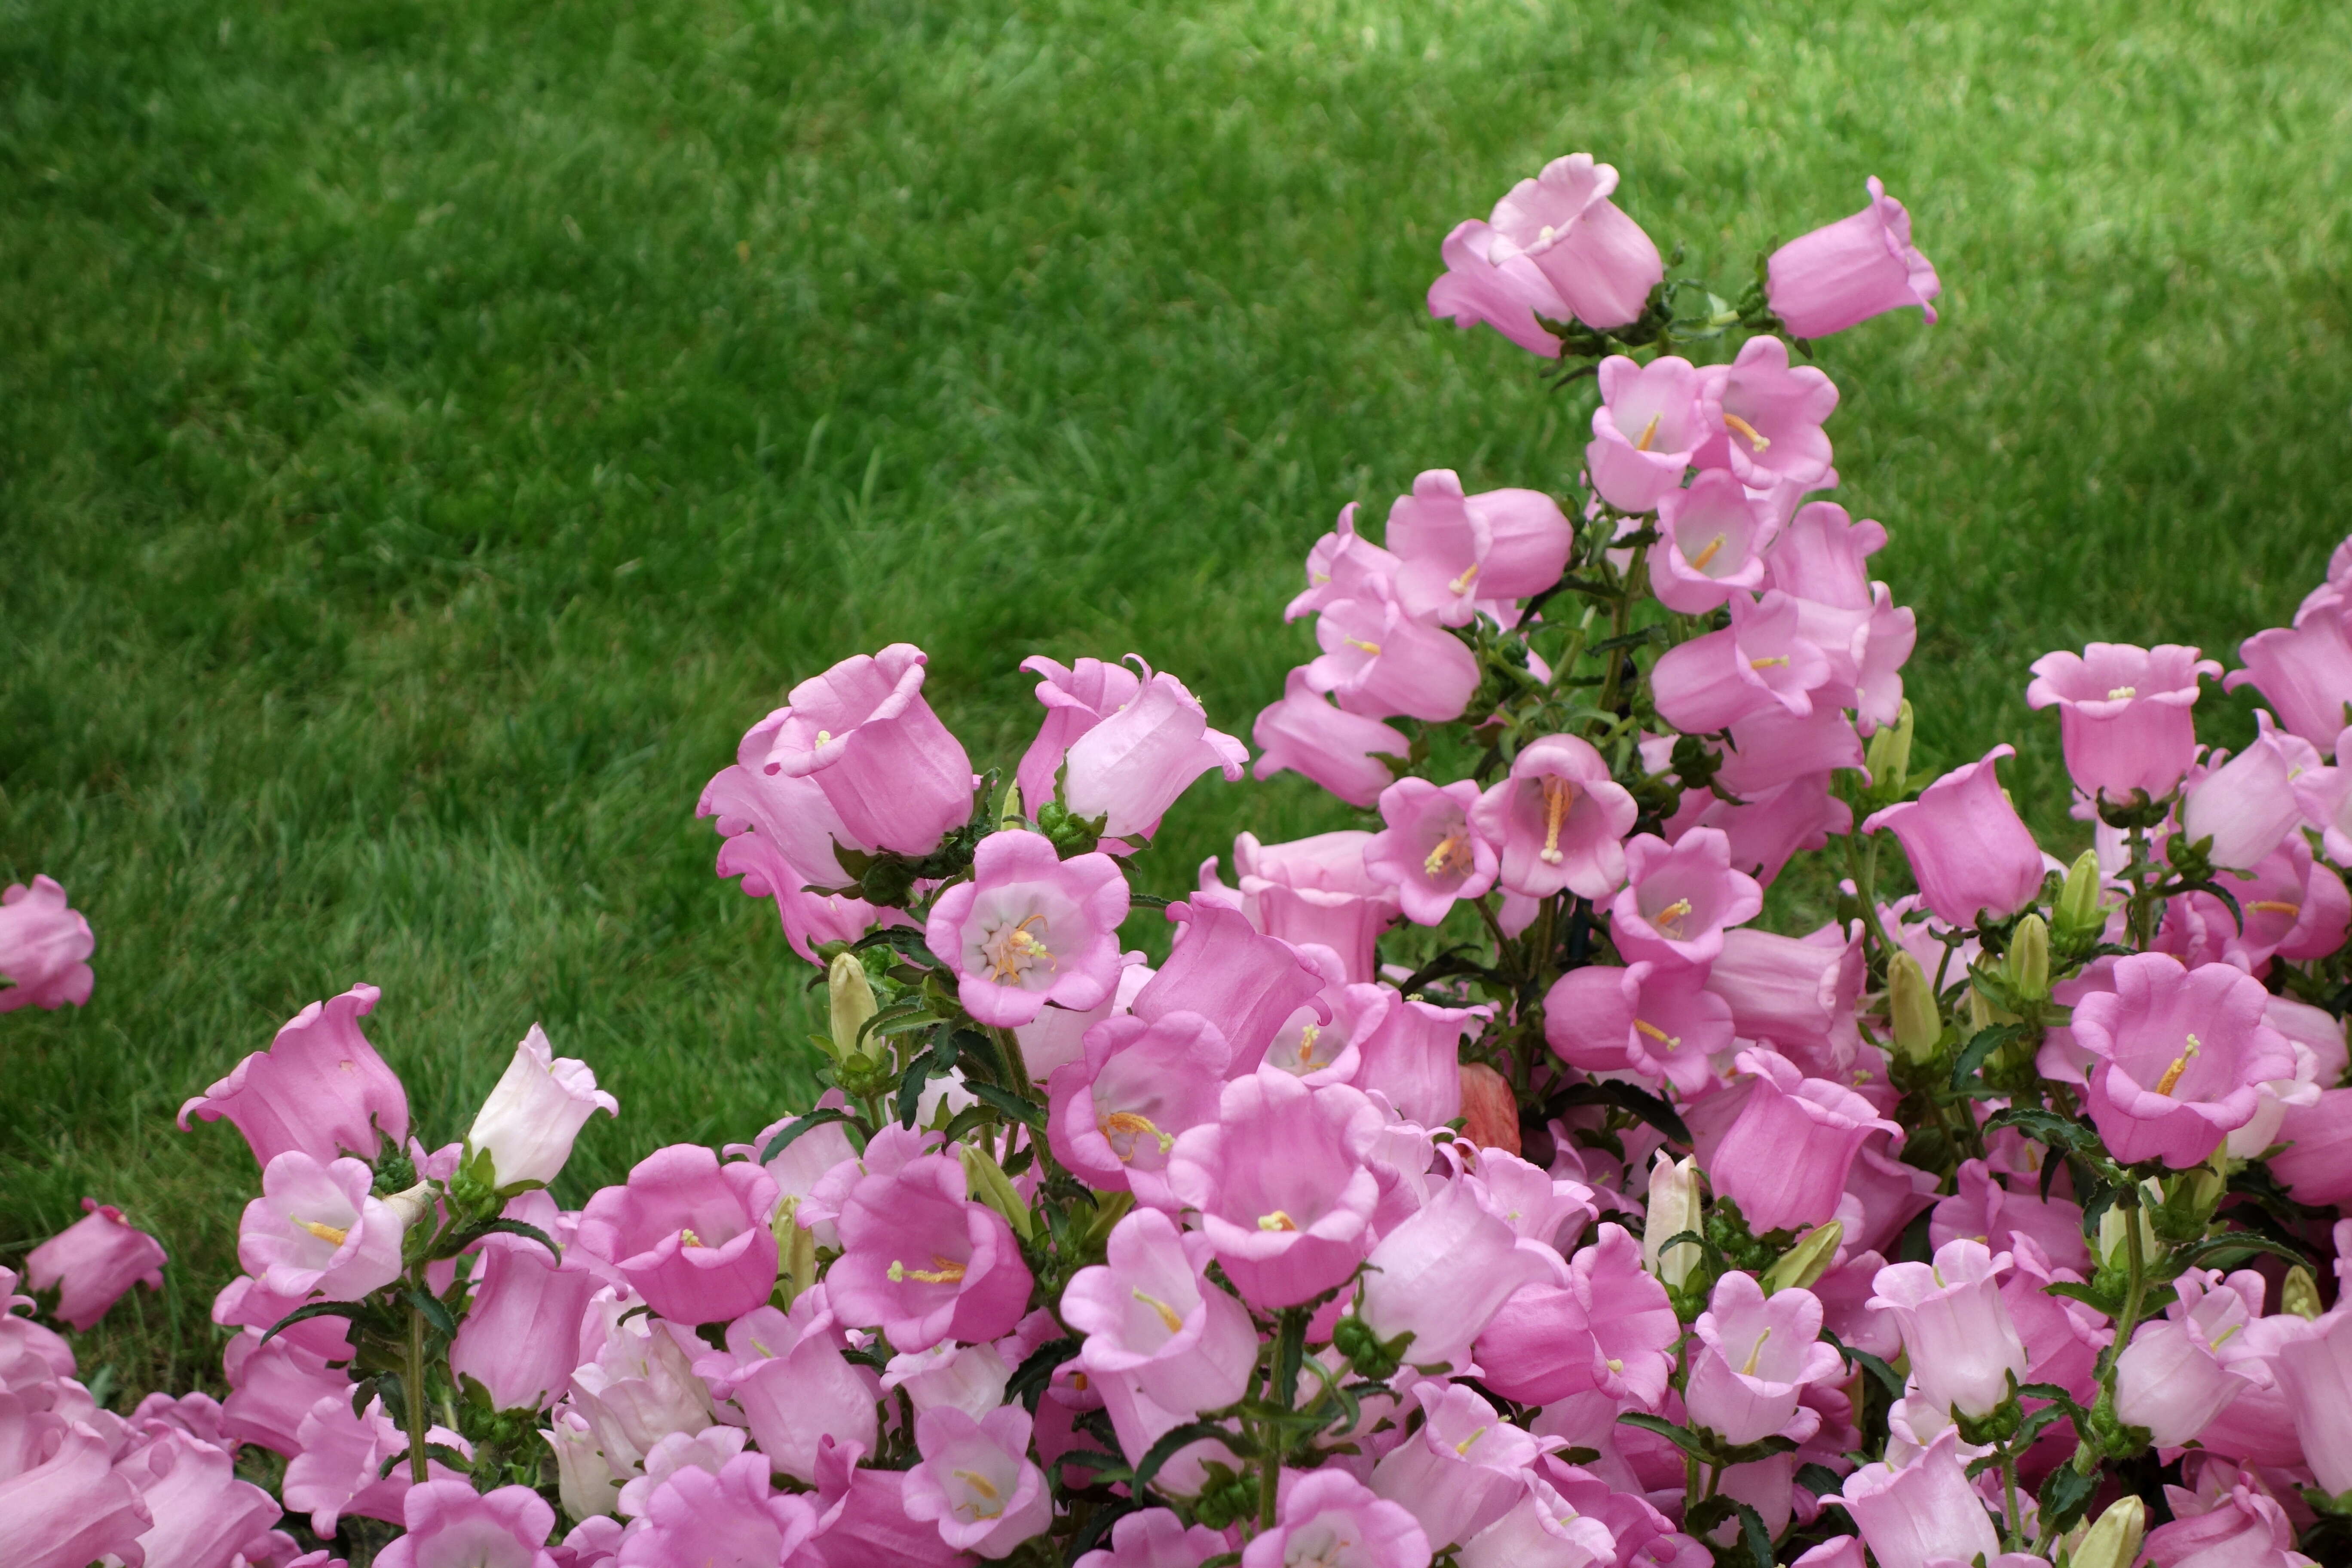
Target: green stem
[[419, 1413], [2143, 887], [2009, 1496], [2135, 1291], [1861, 860]]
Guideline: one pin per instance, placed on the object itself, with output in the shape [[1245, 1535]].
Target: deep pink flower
[[2315, 1370], [1797, 992], [1487, 279], [690, 1235], [320, 1228], [1128, 759], [520, 1336], [1851, 271], [2123, 714], [1031, 928], [1644, 431], [2304, 671], [1247, 984], [895, 775], [1965, 1349], [1150, 1315], [92, 1262], [2180, 1053], [730, 1518], [1679, 898], [1967, 847], [62, 1502], [788, 1376], [1282, 1184], [1773, 746], [1431, 852], [1558, 821], [1412, 1057], [1317, 891], [2248, 805], [1155, 1537], [203, 1512], [1328, 1517], [1456, 549], [1770, 825], [1610, 1330], [1711, 542], [1766, 416], [779, 833], [2244, 1530], [535, 1111], [1647, 1018], [976, 1481], [924, 1262], [1598, 260], [1463, 1468], [1307, 734], [320, 1088], [1441, 1275], [1925, 1512], [1116, 1112], [44, 948], [1784, 1159], [1754, 1360], [1761, 658], [452, 1526], [272, 1387], [1380, 661]]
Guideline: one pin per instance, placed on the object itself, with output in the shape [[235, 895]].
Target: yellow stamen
[[2276, 907], [688, 1238], [2179, 1064], [1750, 1370], [1306, 1038], [1278, 1220], [987, 1489], [1452, 855], [1656, 1033], [1698, 562], [1168, 1314], [946, 1273], [823, 737], [1131, 1125], [2223, 1338], [1778, 659], [1648, 433], [1558, 795], [326, 1232], [1462, 584], [1371, 648], [1669, 921], [2120, 692], [1462, 1449], [1013, 952], [1756, 439], [1613, 1364], [1078, 1381]]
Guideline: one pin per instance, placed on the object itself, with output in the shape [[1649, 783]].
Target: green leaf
[[910, 1089], [1868, 1362], [800, 1124], [1036, 1370], [906, 940], [1649, 1108], [2064, 1496], [1026, 1112], [352, 1309], [1981, 1045], [2239, 1241], [1108, 1468], [1758, 1539], [1819, 1479], [1183, 1436], [474, 1232], [434, 1313], [1682, 1437]]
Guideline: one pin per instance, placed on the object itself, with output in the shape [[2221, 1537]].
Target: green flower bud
[[2300, 1293], [1807, 1261], [795, 1252], [1889, 757], [2029, 959], [851, 997], [2113, 1242], [2115, 1541], [988, 1183], [2079, 915], [1911, 1002]]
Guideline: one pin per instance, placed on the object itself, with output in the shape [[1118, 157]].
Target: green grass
[[430, 433]]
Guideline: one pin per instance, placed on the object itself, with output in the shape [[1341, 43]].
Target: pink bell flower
[[2290, 907], [976, 1481], [1246, 984], [1679, 898], [1442, 1274], [536, 1110], [1155, 1537], [1317, 891], [2180, 1053], [636, 1386], [520, 1336], [63, 1504], [2324, 799], [1983, 1210], [1412, 1057], [1076, 697], [1786, 1157], [1456, 549], [1127, 759], [2316, 1166], [1967, 847], [780, 835], [320, 1228], [1488, 279], [450, 1525], [320, 1088], [1819, 556], [1150, 1315], [1307, 734], [1646, 1018], [1558, 821], [1543, 1531], [1281, 1182], [1711, 542], [707, 1451], [203, 1513], [1342, 565], [2244, 1528], [1773, 746], [895, 775], [924, 1262], [1329, 1517], [1964, 1346], [1644, 431], [1766, 416], [272, 1387], [2169, 1378], [2303, 671], [1056, 1037], [2248, 805], [1851, 271], [1922, 1513], [1463, 1468], [2123, 714], [1755, 1357], [1031, 928], [690, 1235], [92, 1262], [787, 1375], [1770, 825], [1115, 1113], [1380, 661], [1597, 259], [1609, 1330], [338, 1468], [2315, 1370], [1761, 658], [697, 1517], [1431, 852], [44, 948]]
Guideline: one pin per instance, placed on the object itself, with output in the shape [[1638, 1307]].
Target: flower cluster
[[1479, 1185]]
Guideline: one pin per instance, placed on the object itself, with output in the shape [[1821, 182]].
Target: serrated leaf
[[905, 940], [1682, 1437], [1026, 1112], [1167, 1447], [800, 1124], [2063, 1497], [1819, 1479], [1036, 1370], [352, 1309], [433, 1311], [474, 1232], [1982, 1045], [1876, 1368]]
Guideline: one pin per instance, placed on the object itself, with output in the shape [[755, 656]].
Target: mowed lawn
[[431, 433]]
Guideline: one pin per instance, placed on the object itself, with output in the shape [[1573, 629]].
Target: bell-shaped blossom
[[339, 1467], [1646, 1018], [1558, 821], [787, 1375], [1679, 898], [1968, 848], [709, 1450], [2168, 1379], [1711, 542], [2316, 1166], [1282, 1186], [272, 1387], [1541, 1531], [1307, 734], [1819, 556], [1964, 1347], [1798, 992], [1773, 746], [450, 1525], [637, 1386], [1850, 271], [1247, 984], [690, 1235], [2248, 805], [203, 1512], [1755, 1358], [1329, 1517], [1318, 890], [1155, 1538], [1487, 279], [2123, 714], [1784, 1159], [1131, 762], [92, 1262], [895, 775], [2244, 1528], [320, 1228], [320, 1088], [1644, 431], [63, 1504], [44, 948], [2290, 907], [1610, 1329], [1076, 697], [1598, 260], [1150, 1316], [976, 1481], [1768, 827], [781, 835], [1031, 928], [1320, 1050], [1431, 852], [1056, 1037], [2180, 1053], [1983, 1210], [1761, 659], [2315, 1371], [1442, 1274], [923, 1261], [729, 1518], [1921, 1513], [2324, 799], [1116, 1113], [1379, 660], [535, 1110], [1766, 416], [1340, 565], [1463, 1468], [2303, 671], [1412, 1058], [1456, 549], [520, 1336]]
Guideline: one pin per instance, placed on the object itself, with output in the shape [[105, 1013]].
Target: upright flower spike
[[319, 1089], [1031, 928], [2123, 714], [1559, 821], [1967, 847], [1857, 267], [1597, 259], [2180, 1055], [91, 1263], [690, 1235], [1644, 431], [893, 773], [536, 1110], [1431, 852], [45, 947], [1489, 279], [1766, 416], [1307, 734]]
